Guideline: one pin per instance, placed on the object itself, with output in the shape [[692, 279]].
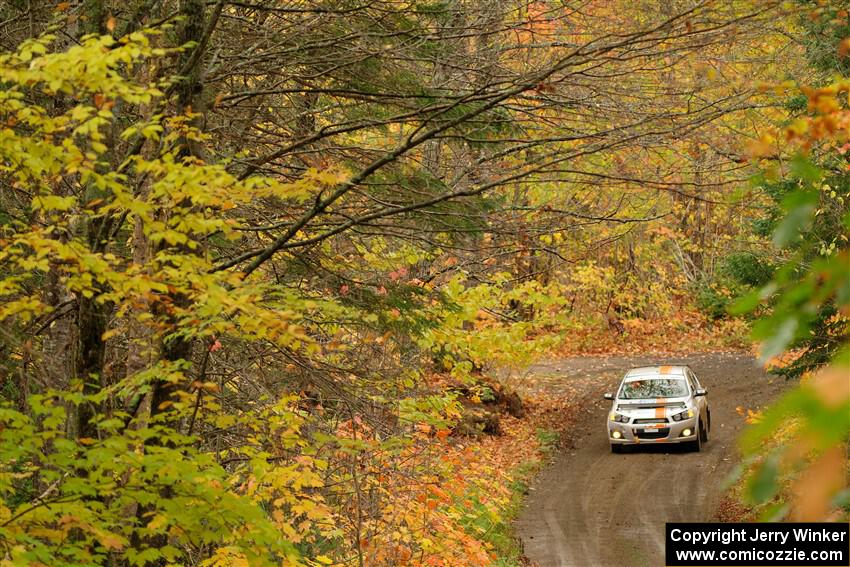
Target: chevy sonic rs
[[659, 404]]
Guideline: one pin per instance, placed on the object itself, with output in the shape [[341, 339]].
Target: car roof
[[656, 372]]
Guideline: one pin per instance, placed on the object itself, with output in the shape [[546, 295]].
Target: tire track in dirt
[[592, 507]]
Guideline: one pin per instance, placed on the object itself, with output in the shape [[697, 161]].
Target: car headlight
[[687, 414], [619, 418]]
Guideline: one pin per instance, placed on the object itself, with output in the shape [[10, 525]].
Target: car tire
[[616, 448], [703, 434]]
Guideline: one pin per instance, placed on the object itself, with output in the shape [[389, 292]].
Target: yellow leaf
[[53, 202], [158, 521], [111, 541]]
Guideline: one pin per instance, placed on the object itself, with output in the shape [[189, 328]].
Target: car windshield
[[654, 388]]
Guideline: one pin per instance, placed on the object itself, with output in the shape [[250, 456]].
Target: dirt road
[[592, 507]]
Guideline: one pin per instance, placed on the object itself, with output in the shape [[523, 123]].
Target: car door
[[701, 401]]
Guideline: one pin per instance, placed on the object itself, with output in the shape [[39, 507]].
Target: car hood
[[654, 410]]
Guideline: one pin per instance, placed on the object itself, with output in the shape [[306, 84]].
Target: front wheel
[[616, 448]]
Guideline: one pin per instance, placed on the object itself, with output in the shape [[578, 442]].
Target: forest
[[272, 272]]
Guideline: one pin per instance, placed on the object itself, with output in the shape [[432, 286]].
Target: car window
[[654, 388]]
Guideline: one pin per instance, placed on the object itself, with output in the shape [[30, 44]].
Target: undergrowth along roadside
[[516, 457]]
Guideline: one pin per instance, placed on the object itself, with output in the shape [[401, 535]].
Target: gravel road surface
[[591, 507]]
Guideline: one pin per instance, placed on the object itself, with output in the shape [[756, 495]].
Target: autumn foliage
[[270, 274]]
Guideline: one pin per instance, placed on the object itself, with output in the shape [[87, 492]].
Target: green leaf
[[803, 168], [780, 338], [775, 512], [746, 304], [762, 486], [793, 223]]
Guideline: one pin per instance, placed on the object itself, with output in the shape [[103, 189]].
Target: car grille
[[652, 420], [653, 433]]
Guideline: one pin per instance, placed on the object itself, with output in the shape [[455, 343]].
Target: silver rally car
[[659, 404]]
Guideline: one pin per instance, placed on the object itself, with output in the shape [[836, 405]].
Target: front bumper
[[637, 433]]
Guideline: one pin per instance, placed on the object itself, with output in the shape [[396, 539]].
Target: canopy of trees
[[238, 240]]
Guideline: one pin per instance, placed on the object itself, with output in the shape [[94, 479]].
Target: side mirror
[[700, 392], [608, 396]]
